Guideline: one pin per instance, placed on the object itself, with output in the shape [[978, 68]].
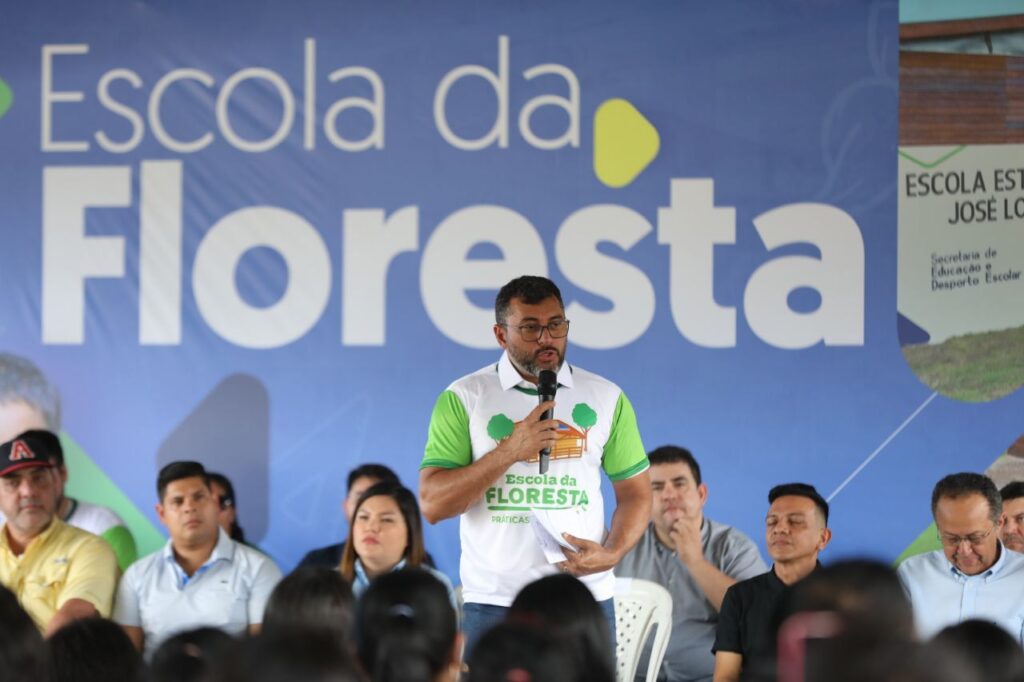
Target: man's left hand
[[589, 557]]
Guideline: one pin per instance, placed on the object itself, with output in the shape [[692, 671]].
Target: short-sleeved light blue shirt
[[942, 595], [229, 591]]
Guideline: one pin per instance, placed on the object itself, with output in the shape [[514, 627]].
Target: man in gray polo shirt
[[694, 558], [201, 577]]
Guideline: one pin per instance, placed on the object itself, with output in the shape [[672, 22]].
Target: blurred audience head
[[515, 652], [290, 656], [23, 654], [311, 597], [864, 657], [564, 607], [864, 594], [406, 629], [992, 652], [190, 656], [94, 650]]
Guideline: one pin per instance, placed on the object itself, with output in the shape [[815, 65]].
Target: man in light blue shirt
[[201, 577], [974, 576]]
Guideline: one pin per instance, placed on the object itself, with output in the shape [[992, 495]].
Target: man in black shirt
[[796, 531]]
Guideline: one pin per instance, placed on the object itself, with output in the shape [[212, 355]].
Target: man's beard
[[527, 363]]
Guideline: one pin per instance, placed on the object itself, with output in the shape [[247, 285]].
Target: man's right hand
[[685, 533], [446, 493], [531, 435]]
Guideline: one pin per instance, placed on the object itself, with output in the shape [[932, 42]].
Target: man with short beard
[[481, 459], [1013, 515]]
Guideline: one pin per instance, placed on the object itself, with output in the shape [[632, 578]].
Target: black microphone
[[547, 384]]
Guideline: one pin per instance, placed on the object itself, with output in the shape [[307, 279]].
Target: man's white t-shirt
[[597, 431]]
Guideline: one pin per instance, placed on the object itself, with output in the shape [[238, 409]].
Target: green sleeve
[[624, 453], [448, 443], [121, 541]]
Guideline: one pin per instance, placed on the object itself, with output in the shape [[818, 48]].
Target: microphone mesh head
[[547, 382]]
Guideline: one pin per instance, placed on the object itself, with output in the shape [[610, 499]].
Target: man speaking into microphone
[[482, 462]]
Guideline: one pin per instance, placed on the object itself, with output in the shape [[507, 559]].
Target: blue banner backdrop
[[266, 235]]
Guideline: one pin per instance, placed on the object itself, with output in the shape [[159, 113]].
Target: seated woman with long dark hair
[[386, 534]]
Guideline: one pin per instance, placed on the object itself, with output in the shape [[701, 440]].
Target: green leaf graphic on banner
[[6, 98], [88, 482]]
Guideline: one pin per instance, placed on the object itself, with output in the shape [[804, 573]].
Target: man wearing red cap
[[59, 573]]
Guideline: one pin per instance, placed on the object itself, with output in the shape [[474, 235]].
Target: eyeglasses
[[972, 539], [531, 331]]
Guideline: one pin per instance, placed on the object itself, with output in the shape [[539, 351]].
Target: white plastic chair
[[641, 607]]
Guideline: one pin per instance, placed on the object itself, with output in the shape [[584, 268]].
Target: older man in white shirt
[[974, 575]]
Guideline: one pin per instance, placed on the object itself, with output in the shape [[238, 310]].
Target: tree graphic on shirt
[[585, 418], [500, 427]]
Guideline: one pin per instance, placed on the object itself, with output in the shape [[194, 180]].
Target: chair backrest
[[641, 607]]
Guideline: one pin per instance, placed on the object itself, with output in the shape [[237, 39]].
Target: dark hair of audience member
[[23, 654], [993, 653], [673, 454], [865, 594], [382, 473], [956, 486], [564, 607], [177, 471], [190, 656], [866, 656], [801, 490], [406, 629], [94, 650], [290, 656], [1012, 491], [311, 597], [516, 652], [415, 554], [226, 501]]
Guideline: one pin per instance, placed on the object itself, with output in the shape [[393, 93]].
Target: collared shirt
[[229, 591], [361, 581], [597, 432], [942, 595], [60, 564], [689, 656], [748, 621]]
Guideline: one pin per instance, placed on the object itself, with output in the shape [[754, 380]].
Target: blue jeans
[[479, 618]]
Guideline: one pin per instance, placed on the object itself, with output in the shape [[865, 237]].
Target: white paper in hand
[[546, 526]]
